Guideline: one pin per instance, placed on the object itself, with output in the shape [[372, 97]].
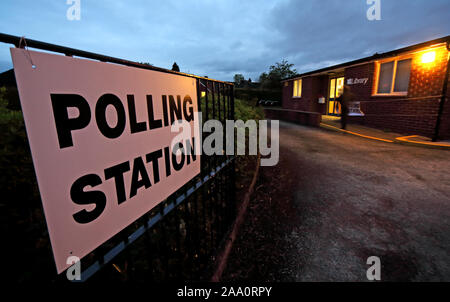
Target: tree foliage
[[238, 79], [175, 67], [279, 71]]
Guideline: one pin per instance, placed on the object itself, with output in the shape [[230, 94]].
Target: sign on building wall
[[354, 109], [356, 81], [100, 139]]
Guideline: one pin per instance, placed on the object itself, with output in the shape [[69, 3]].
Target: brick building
[[402, 90]]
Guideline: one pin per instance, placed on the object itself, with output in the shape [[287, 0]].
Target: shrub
[[17, 178], [250, 94]]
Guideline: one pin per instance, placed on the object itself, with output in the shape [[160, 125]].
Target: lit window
[[297, 93], [402, 76], [339, 87], [393, 77], [332, 88], [336, 87]]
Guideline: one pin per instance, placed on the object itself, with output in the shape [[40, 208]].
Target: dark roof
[[376, 56]]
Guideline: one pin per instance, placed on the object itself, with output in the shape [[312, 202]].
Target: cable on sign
[[25, 46]]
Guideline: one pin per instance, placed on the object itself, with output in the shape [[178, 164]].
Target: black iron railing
[[176, 239]]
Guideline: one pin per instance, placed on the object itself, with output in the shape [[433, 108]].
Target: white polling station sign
[[100, 139]]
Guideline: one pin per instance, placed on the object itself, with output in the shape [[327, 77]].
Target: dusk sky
[[221, 38]]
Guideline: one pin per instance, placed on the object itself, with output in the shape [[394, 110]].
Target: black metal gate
[[178, 239]]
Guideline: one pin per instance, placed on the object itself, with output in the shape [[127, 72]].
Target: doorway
[[336, 90]]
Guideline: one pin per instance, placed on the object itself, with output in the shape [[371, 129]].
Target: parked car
[[268, 103], [272, 103]]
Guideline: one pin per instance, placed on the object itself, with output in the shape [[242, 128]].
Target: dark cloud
[[317, 33], [221, 38]]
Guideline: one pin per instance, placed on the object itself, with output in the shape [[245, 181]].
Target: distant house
[[400, 90]]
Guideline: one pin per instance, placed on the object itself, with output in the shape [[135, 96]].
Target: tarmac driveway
[[334, 200]]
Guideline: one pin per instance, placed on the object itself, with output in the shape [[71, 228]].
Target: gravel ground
[[334, 200]]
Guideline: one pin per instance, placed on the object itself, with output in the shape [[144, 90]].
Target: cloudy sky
[[223, 37]]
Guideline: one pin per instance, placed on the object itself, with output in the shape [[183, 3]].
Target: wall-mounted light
[[428, 57]]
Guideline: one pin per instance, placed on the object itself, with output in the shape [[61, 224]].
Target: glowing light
[[428, 57]]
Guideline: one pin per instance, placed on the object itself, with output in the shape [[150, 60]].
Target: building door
[[336, 90]]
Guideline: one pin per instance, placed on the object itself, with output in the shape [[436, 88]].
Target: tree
[[263, 77], [175, 67], [238, 79], [277, 72], [282, 70]]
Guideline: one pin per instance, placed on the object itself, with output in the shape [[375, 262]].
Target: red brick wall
[[362, 91], [428, 79], [414, 116], [303, 118], [415, 113], [312, 88], [444, 131]]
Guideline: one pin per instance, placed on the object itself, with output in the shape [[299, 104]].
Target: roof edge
[[376, 56]]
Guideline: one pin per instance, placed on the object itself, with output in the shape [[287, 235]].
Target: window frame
[[393, 79], [299, 85]]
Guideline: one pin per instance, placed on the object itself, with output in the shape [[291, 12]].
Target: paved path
[[336, 199]]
